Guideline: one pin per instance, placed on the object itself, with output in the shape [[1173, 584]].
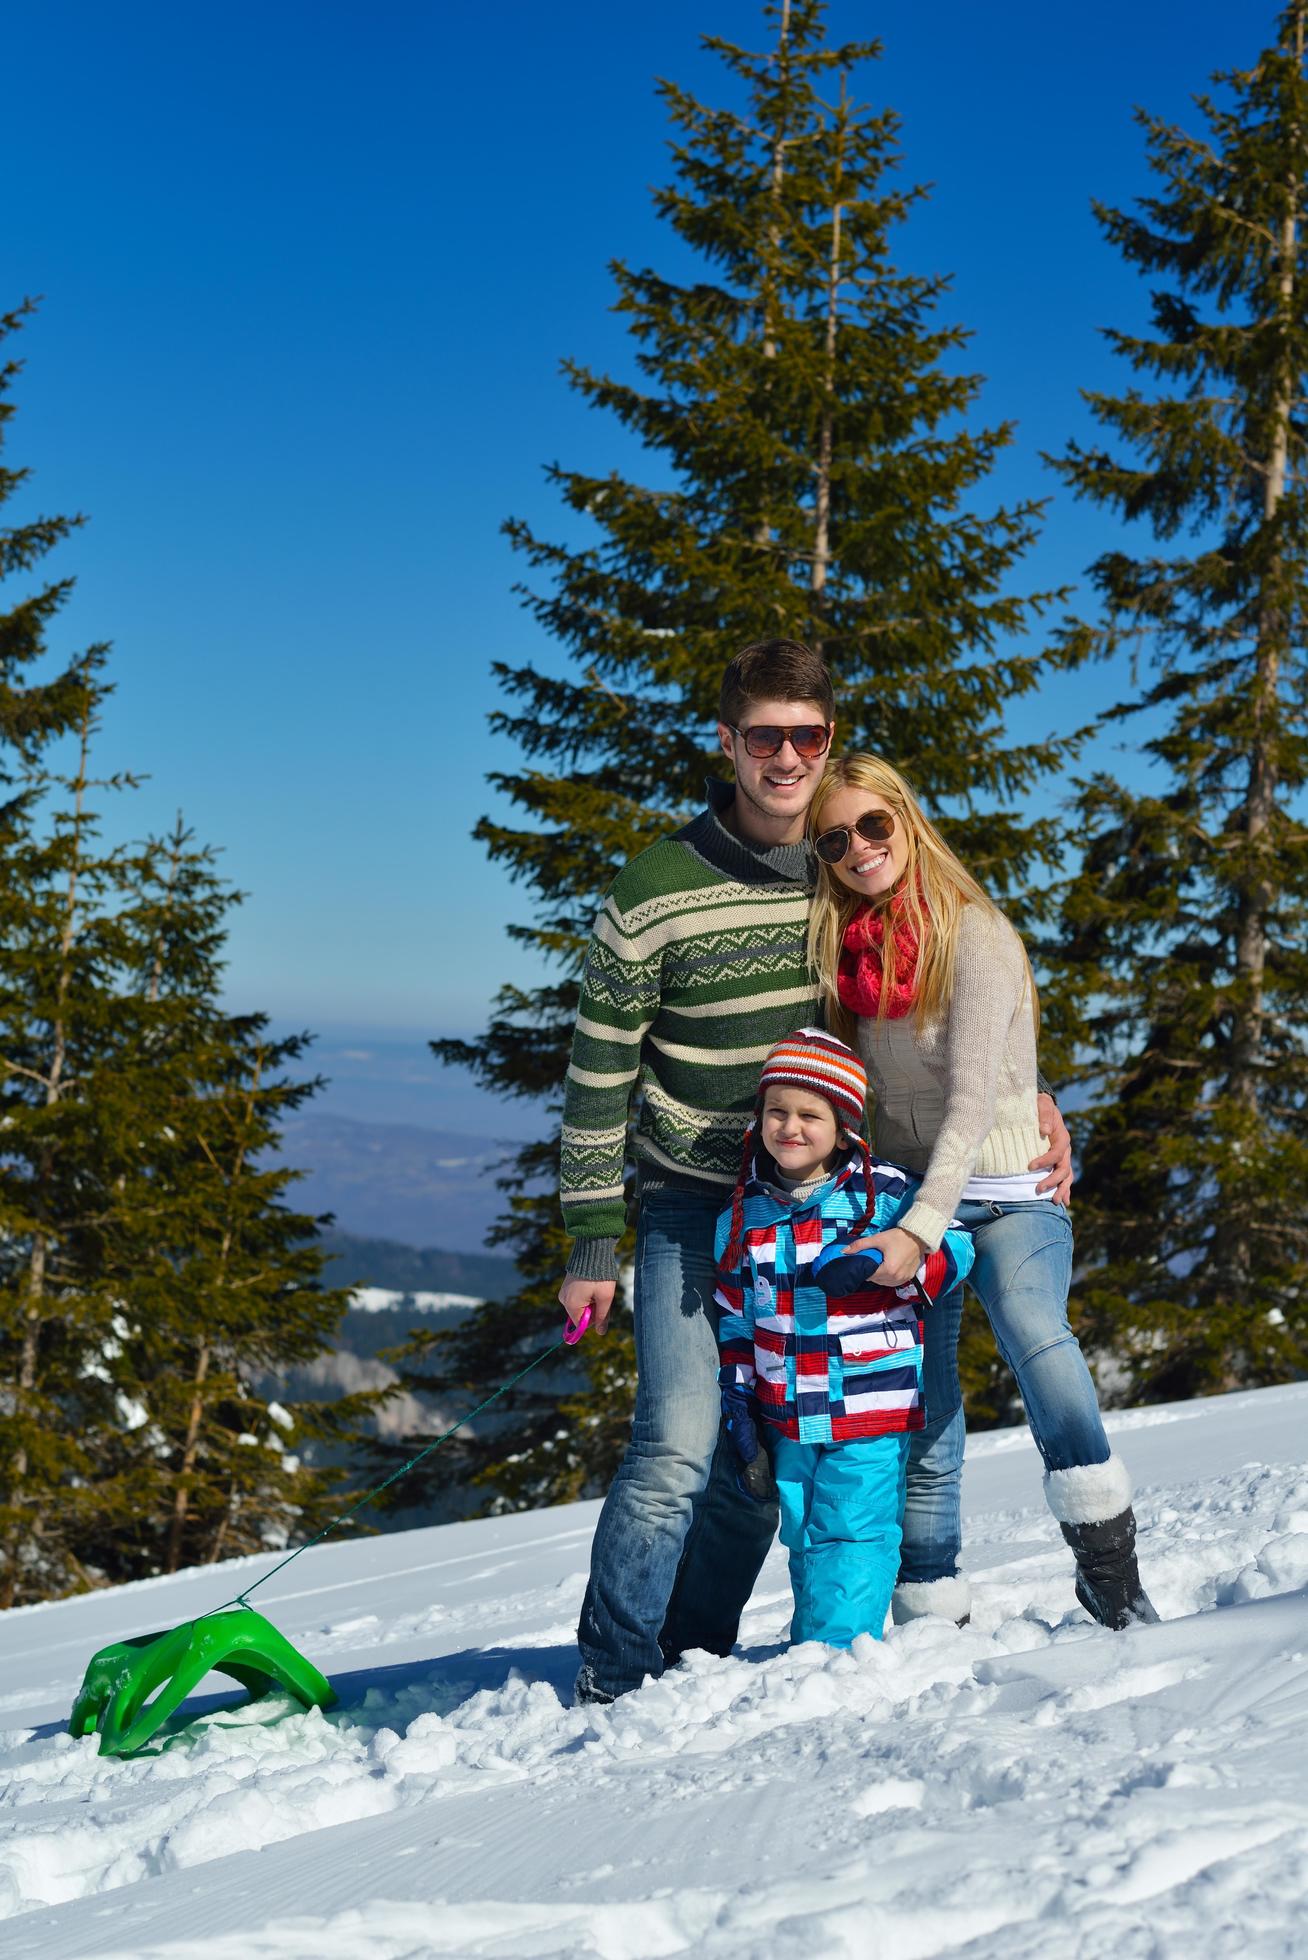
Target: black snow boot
[[1092, 1503], [1107, 1576], [586, 1690]]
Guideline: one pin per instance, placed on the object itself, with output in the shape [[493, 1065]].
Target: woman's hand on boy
[[901, 1255], [575, 1295], [1057, 1160]]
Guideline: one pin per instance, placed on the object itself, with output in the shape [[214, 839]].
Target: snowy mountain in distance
[[386, 1299], [1022, 1787], [394, 1289]]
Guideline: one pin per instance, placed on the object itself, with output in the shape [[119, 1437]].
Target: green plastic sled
[[120, 1679]]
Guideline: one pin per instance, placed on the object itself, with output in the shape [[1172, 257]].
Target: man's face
[[779, 786]]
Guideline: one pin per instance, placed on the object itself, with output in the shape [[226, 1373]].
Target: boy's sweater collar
[[761, 1190], [749, 863], [796, 1189]]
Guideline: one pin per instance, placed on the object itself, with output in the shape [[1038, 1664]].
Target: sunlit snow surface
[[1029, 1785]]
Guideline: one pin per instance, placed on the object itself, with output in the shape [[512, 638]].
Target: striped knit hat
[[807, 1059], [810, 1059]]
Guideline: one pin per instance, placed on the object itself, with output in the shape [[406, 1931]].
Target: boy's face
[[779, 786], [800, 1131]]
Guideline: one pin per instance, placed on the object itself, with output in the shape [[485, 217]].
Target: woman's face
[[870, 869]]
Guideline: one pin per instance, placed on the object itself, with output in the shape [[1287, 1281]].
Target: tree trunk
[[29, 1355], [1257, 895], [215, 1551], [195, 1423], [822, 496], [35, 1315], [174, 865], [190, 1450], [763, 534], [778, 176]]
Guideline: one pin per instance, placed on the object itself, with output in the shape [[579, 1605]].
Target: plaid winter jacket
[[826, 1371]]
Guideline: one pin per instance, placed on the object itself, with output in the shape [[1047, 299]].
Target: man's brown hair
[[775, 670]]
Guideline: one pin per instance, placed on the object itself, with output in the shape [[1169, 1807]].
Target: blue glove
[[754, 1477], [839, 1271]]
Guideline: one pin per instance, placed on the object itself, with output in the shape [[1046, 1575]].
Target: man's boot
[[1092, 1503], [585, 1690]]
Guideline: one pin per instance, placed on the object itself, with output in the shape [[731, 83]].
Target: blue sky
[[308, 272]]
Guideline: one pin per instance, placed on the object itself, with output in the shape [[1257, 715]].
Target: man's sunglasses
[[874, 826], [764, 740]]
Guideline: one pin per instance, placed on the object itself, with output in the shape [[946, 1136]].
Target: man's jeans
[[1021, 1276], [675, 1492]]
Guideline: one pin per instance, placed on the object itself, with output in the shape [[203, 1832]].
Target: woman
[[924, 976]]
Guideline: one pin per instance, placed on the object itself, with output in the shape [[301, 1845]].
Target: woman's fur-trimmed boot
[[932, 1599], [1092, 1503]]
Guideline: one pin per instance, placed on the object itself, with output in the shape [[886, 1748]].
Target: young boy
[[838, 1380]]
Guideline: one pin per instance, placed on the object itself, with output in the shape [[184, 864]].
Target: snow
[[384, 1299], [1023, 1786]]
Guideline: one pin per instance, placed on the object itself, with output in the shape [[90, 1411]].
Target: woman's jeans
[[674, 1502], [1021, 1276]]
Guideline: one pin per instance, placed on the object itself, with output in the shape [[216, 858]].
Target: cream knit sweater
[[959, 1095]]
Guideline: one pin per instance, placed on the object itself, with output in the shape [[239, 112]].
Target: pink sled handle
[[573, 1332]]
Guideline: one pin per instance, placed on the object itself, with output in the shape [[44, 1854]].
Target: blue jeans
[[840, 1510], [675, 1491], [1021, 1277]]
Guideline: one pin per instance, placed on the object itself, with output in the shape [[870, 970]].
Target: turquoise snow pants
[[842, 1505]]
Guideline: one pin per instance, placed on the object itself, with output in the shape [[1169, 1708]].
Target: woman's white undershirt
[[1015, 1188], [1019, 1188]]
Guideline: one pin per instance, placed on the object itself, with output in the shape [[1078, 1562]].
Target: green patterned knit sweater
[[697, 966]]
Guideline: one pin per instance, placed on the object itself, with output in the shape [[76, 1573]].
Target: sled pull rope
[[243, 1598]]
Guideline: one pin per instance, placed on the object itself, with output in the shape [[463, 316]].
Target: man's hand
[[901, 1255], [575, 1295], [1057, 1160]]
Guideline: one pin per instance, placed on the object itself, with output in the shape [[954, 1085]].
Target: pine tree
[[149, 1266], [52, 962], [1185, 961], [64, 1036], [217, 1276], [35, 707], [812, 474], [152, 1274]]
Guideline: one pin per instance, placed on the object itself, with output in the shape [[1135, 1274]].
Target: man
[[697, 967]]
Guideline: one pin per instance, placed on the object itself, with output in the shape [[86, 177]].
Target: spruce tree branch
[[1235, 217], [14, 1068]]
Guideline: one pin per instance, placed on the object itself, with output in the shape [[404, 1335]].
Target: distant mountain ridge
[[363, 1262], [397, 1182]]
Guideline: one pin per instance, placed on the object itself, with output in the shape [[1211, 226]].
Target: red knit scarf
[[858, 978]]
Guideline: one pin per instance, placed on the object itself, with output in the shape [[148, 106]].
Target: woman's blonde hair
[[933, 890]]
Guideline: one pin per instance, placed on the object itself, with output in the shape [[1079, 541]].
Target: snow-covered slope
[[1028, 1785]]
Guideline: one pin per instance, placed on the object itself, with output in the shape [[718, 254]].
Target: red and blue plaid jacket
[[827, 1371]]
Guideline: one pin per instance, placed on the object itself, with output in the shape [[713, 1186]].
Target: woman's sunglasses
[[874, 826], [764, 740]]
